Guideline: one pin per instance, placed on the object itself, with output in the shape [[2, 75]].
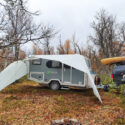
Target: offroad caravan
[[56, 74], [56, 71]]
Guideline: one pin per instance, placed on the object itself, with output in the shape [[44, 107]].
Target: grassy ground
[[28, 104]]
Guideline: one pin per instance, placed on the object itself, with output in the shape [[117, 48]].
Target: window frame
[[51, 66], [33, 62]]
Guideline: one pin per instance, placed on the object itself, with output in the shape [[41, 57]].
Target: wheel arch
[[50, 81]]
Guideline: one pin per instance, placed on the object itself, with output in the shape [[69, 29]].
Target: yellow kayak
[[113, 60]]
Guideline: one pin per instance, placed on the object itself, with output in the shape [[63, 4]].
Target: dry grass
[[28, 104]]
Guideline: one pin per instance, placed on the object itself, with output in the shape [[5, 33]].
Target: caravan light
[[112, 76]]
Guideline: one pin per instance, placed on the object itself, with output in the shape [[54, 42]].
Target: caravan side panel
[[51, 73], [43, 73], [77, 77]]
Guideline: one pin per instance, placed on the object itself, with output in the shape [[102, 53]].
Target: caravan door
[[66, 74], [35, 70]]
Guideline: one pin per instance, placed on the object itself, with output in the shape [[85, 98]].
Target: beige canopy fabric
[[75, 61]]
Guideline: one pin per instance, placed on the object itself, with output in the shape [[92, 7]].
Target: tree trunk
[[16, 53]]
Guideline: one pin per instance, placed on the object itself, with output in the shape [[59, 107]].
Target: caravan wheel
[[55, 85]]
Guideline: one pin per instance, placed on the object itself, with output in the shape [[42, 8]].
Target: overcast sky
[[75, 16]]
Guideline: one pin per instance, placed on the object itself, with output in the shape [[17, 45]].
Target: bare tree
[[67, 46], [46, 45], [106, 34], [122, 32], [77, 48], [17, 27], [46, 42], [60, 47], [64, 48]]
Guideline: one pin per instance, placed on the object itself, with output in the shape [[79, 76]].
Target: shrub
[[106, 79], [122, 89], [60, 98]]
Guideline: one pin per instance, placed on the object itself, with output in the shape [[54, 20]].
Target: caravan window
[[88, 62], [66, 66], [53, 64], [36, 62]]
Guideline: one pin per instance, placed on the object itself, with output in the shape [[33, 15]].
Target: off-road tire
[[54, 85]]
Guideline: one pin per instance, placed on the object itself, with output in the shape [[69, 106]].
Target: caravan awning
[[11, 73], [75, 61]]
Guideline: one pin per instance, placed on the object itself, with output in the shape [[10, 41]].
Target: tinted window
[[53, 64], [66, 66], [36, 62], [88, 62]]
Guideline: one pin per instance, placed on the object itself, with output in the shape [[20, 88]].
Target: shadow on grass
[[25, 89]]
